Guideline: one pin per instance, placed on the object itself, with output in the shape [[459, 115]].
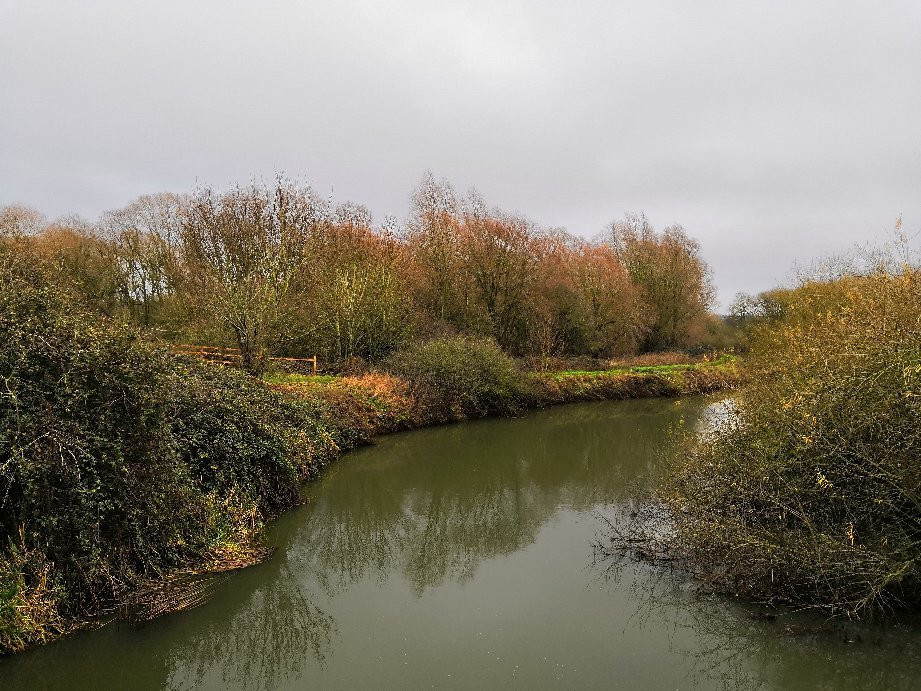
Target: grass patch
[[295, 378], [722, 361]]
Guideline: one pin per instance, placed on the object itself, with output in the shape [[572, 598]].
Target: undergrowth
[[809, 491]]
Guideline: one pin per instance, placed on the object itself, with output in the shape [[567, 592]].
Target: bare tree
[[145, 236], [18, 221], [241, 251]]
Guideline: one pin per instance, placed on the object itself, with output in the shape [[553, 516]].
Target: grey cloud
[[773, 131]]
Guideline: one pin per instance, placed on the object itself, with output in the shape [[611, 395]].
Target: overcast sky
[[774, 132]]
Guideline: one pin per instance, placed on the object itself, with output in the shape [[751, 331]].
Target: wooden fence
[[231, 356]]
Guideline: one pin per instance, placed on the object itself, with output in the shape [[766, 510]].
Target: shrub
[[237, 436], [119, 462], [456, 378], [91, 477], [810, 491]]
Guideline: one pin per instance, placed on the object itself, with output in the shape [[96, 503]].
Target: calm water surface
[[461, 557]]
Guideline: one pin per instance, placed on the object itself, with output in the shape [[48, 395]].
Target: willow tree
[[362, 305], [501, 257], [434, 242], [668, 268], [614, 317]]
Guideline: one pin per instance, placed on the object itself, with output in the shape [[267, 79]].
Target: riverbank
[[378, 403], [181, 464]]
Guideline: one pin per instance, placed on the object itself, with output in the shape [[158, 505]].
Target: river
[[462, 557]]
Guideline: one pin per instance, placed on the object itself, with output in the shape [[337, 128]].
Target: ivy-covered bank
[[122, 466]]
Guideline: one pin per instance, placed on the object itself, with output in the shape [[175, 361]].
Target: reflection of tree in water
[[458, 532], [260, 644], [736, 646], [429, 506], [435, 503]]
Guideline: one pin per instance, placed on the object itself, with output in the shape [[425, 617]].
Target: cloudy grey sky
[[773, 131]]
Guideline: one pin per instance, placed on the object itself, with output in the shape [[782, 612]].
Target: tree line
[[276, 268]]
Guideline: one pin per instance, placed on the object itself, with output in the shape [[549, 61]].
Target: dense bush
[[810, 491], [84, 437], [238, 437], [118, 462], [456, 378]]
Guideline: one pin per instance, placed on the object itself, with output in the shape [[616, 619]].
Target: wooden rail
[[231, 356], [312, 360]]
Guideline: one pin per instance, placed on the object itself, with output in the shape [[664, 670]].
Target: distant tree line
[[279, 269]]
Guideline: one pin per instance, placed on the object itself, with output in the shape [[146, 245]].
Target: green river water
[[462, 557]]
